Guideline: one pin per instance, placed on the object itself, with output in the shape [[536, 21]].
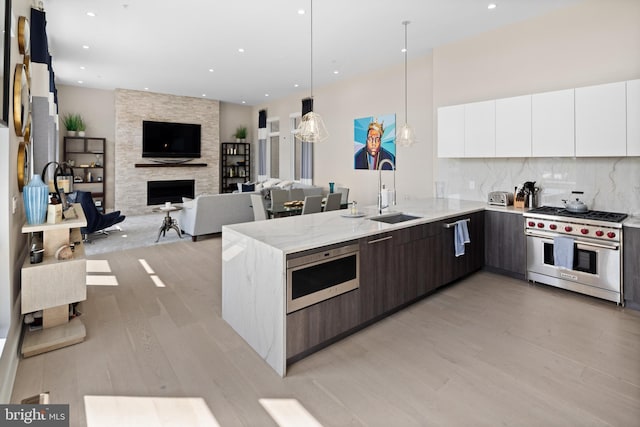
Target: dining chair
[[296, 194], [333, 202], [344, 191], [259, 211], [278, 197], [312, 204]]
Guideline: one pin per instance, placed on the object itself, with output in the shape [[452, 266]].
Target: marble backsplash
[[609, 184]]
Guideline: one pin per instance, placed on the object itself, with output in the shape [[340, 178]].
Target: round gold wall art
[[23, 165], [24, 35], [21, 101], [27, 66], [27, 129]]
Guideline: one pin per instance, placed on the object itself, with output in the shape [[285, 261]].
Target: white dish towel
[[563, 252], [460, 236]]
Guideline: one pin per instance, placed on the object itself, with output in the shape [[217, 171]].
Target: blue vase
[[36, 199]]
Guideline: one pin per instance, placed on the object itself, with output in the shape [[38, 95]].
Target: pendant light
[[311, 128], [405, 136]]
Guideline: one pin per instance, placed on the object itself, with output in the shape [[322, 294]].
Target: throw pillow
[[249, 187], [187, 202]]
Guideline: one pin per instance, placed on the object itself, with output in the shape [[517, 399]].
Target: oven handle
[[612, 246]]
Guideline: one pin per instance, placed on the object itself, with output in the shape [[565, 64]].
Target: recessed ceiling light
[[492, 6], [82, 67], [403, 50], [301, 12], [204, 94], [211, 70], [296, 85], [266, 94], [336, 72], [241, 50], [146, 88], [244, 102], [80, 81], [91, 14], [84, 46]]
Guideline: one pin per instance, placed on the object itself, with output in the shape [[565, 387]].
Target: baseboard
[[9, 358]]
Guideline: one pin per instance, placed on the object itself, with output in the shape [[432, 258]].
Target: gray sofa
[[207, 214]]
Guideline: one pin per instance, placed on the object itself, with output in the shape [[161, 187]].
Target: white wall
[[591, 43], [380, 92], [12, 241], [97, 108]]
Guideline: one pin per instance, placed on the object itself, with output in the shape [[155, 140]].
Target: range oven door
[[595, 263], [320, 275]]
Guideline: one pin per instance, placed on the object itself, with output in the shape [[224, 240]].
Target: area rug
[[133, 232]]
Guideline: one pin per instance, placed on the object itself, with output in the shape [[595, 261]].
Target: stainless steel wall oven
[[320, 275]]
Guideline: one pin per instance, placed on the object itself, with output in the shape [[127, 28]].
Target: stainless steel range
[[596, 240]]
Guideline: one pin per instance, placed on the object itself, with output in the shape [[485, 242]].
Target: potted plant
[[70, 122], [241, 134], [82, 126]]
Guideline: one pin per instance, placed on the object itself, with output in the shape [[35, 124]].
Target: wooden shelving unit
[[235, 165]]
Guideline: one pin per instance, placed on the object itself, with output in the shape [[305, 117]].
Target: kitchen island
[[398, 264]]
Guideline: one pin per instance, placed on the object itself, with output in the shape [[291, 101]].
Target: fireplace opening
[[159, 192]]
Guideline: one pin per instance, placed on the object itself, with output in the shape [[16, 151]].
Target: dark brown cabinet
[[396, 268], [377, 275], [632, 267], [453, 267], [86, 156], [235, 165], [505, 244]]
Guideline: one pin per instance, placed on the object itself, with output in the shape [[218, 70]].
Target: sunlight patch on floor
[[146, 266], [98, 266], [125, 411], [289, 413], [104, 280], [157, 281]]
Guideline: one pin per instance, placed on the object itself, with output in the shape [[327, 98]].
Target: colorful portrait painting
[[374, 141]]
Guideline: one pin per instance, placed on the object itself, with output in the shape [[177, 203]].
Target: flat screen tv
[[173, 140]]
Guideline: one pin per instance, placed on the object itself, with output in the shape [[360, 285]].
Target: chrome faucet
[[380, 207]]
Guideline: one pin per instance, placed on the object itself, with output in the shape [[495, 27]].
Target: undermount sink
[[394, 218]]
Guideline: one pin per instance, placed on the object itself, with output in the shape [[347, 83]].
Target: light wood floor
[[486, 351]]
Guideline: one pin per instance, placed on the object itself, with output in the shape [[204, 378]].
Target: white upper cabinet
[[480, 129], [552, 124], [513, 127], [633, 118], [601, 128], [451, 131]]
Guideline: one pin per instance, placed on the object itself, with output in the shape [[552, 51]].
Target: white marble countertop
[[632, 221], [302, 232], [506, 209]]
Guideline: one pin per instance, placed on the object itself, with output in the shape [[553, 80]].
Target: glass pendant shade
[[405, 136], [312, 128]]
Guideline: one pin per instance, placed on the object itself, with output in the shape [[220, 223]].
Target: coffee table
[[168, 223]]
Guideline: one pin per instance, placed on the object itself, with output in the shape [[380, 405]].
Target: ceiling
[[172, 46]]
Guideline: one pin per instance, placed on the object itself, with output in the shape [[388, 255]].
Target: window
[[273, 149], [296, 148]]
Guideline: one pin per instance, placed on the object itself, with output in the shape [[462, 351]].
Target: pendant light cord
[[311, 19], [406, 118]]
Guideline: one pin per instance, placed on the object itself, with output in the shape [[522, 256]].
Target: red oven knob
[[599, 233], [553, 226], [532, 224], [568, 229], [584, 231], [611, 234], [541, 225]]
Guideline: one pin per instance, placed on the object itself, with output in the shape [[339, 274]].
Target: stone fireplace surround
[[131, 108]]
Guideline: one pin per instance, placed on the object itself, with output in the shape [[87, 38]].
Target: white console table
[[52, 285]]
